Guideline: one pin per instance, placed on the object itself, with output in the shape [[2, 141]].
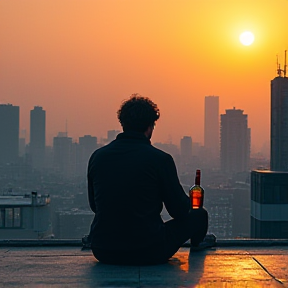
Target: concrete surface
[[217, 267]]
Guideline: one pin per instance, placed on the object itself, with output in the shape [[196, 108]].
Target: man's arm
[[174, 197]]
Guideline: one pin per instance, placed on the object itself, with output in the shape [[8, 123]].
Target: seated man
[[129, 180]]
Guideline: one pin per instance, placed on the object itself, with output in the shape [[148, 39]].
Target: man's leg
[[177, 232], [193, 227]]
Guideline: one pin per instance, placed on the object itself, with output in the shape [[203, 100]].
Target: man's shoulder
[[159, 152], [100, 151]]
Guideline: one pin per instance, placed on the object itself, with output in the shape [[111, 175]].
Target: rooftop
[[231, 263]]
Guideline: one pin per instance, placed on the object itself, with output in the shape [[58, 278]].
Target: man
[[129, 180]]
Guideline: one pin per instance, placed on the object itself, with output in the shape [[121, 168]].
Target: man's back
[[128, 180]]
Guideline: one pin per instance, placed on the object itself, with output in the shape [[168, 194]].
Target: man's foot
[[208, 242], [86, 242]]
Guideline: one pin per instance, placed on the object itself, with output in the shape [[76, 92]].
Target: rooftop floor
[[69, 266]]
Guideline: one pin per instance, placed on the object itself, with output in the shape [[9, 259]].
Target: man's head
[[138, 114]]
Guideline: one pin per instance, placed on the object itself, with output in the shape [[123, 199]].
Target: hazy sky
[[79, 59]]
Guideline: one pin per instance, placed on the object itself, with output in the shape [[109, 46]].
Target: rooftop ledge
[[243, 242], [62, 263]]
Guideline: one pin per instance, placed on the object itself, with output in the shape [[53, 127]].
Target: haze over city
[[80, 59]]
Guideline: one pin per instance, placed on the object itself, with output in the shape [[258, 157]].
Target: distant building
[[186, 147], [25, 217], [87, 145], [269, 204], [235, 142], [211, 125], [229, 211], [37, 137], [279, 124], [63, 156], [9, 133]]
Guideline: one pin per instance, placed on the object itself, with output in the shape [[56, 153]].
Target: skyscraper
[[9, 133], [279, 124], [37, 136], [211, 125], [269, 197], [235, 141]]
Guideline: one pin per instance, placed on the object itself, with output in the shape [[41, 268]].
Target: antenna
[[285, 64], [279, 71]]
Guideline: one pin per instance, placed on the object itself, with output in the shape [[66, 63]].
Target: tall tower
[[211, 125], [9, 133], [37, 136], [235, 141], [269, 199], [279, 124]]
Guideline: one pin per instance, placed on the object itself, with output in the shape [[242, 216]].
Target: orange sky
[[79, 59]]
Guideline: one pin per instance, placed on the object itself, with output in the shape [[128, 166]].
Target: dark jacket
[[128, 182]]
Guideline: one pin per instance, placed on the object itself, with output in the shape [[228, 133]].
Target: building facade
[[279, 124], [235, 142], [37, 137], [25, 217], [269, 204], [9, 134], [211, 126]]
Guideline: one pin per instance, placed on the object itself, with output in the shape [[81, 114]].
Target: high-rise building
[[37, 136], [186, 147], [235, 142], [279, 124], [9, 133], [211, 125], [269, 197]]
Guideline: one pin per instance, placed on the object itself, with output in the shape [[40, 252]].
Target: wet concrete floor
[[217, 267]]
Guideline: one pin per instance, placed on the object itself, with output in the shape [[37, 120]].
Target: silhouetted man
[[129, 180]]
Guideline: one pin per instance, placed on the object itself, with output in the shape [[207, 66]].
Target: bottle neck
[[197, 178]]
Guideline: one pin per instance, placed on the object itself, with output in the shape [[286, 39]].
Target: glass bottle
[[196, 192]]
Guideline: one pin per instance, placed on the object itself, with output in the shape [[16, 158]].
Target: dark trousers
[[177, 232]]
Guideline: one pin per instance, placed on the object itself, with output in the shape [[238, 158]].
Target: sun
[[246, 38]]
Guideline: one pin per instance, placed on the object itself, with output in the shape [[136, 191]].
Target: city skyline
[[79, 65]]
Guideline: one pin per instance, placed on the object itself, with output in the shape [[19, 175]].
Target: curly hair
[[137, 113]]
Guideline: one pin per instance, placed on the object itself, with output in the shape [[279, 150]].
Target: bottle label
[[196, 198]]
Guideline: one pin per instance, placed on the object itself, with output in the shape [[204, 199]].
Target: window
[[10, 217]]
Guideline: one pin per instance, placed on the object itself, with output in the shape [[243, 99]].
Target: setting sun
[[246, 38]]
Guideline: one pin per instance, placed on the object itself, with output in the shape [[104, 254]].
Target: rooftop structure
[[25, 216]]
